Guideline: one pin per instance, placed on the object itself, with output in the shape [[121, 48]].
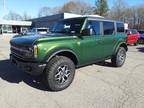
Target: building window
[[7, 29]]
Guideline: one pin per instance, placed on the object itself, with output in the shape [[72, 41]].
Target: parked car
[[132, 36], [24, 30], [38, 31], [34, 31], [72, 43], [141, 39]]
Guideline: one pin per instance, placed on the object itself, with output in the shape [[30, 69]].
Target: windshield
[[69, 26], [133, 31]]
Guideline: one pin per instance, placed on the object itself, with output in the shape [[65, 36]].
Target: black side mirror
[[87, 32]]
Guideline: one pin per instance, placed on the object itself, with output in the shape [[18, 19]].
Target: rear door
[[108, 39]]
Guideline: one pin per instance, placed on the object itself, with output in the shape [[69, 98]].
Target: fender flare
[[116, 49], [54, 53]]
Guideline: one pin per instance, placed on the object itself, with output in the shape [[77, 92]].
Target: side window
[[95, 26], [120, 27], [108, 28]]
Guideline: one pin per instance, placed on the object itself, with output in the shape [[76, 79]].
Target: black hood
[[27, 40]]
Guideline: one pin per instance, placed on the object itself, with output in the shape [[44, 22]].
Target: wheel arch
[[124, 45], [63, 52]]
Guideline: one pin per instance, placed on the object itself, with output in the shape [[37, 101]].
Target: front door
[[92, 44]]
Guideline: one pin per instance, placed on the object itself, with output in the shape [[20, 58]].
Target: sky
[[32, 6]]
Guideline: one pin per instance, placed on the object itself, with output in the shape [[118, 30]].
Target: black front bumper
[[30, 68]]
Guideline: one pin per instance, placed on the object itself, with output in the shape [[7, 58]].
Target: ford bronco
[[72, 43]]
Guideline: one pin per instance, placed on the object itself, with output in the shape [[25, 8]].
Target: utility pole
[[4, 7], [3, 13]]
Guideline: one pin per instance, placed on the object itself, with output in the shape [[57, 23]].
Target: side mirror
[[87, 32]]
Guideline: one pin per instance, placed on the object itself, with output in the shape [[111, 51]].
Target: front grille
[[19, 51]]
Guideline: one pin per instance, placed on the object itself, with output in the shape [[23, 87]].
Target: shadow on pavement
[[141, 49], [105, 63], [11, 74]]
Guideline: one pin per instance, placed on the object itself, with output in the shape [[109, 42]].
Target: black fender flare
[[56, 52], [121, 43]]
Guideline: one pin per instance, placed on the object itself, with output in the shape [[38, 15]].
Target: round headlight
[[35, 50]]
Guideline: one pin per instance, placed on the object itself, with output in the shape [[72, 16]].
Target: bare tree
[[44, 11], [118, 10], [25, 16], [13, 16], [133, 15], [68, 7], [140, 15], [77, 7], [55, 10], [101, 7]]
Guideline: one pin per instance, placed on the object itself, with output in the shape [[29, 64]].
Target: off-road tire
[[119, 58], [54, 68]]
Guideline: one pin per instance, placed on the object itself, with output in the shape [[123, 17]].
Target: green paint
[[86, 48]]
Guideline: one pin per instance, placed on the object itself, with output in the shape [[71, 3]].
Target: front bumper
[[30, 68]]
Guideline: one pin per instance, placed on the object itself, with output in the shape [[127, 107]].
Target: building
[[126, 26], [13, 26], [49, 21]]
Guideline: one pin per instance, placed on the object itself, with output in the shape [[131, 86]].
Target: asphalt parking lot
[[94, 86]]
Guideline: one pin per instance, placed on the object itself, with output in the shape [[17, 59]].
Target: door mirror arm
[[86, 32]]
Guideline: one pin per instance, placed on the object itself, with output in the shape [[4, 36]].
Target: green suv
[[72, 43]]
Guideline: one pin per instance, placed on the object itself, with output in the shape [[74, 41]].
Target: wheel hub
[[121, 56], [62, 74]]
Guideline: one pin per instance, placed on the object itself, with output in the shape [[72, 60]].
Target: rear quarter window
[[120, 27]]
